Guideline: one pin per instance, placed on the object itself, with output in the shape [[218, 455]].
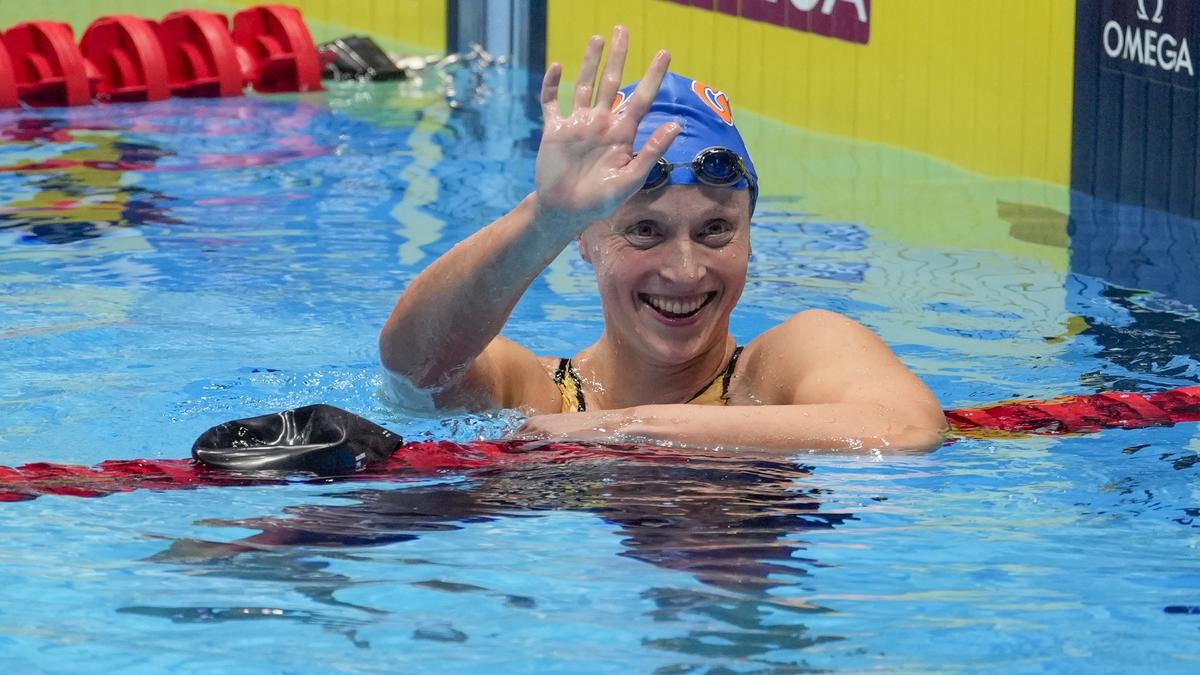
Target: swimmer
[[657, 189]]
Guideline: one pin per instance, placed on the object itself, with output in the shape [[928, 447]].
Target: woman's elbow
[[925, 435], [918, 440], [915, 429], [397, 359]]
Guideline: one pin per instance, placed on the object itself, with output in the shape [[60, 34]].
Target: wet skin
[[671, 249]]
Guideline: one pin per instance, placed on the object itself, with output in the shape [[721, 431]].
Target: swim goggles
[[715, 166]]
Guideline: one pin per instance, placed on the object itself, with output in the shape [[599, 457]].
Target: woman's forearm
[[457, 305], [828, 426]]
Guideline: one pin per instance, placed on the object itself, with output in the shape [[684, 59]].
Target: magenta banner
[[848, 20]]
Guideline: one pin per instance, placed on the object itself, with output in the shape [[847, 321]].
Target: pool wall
[[1136, 116], [985, 85], [1021, 88]]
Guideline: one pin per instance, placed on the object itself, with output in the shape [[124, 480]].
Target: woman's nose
[[683, 264]]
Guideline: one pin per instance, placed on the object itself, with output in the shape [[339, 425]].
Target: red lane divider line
[[1068, 415], [130, 59]]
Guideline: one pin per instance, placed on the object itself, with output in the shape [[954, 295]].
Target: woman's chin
[[676, 351], [667, 343]]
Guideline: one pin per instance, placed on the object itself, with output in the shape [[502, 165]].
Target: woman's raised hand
[[586, 167]]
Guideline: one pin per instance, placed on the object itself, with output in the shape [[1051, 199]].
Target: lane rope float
[[324, 443]]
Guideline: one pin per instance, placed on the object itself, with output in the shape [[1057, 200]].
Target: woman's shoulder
[[804, 330], [811, 342]]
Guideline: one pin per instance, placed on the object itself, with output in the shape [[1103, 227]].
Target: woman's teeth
[[675, 306]]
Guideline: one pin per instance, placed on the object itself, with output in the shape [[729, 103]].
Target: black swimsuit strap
[[737, 351], [725, 376], [565, 370]]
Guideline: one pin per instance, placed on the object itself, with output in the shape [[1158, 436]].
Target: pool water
[[165, 267]]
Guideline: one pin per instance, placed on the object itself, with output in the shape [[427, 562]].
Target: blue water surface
[[189, 262]]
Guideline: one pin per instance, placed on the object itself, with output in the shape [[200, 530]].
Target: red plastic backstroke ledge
[[129, 59]]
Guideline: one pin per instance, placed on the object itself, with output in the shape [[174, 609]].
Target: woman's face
[[671, 265]]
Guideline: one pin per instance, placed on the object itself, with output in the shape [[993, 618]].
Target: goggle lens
[[658, 176], [719, 167]]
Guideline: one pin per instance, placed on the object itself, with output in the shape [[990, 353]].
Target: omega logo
[[1158, 9], [1148, 46]]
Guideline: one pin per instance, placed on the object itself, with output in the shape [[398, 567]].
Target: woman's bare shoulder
[[798, 335], [815, 350]]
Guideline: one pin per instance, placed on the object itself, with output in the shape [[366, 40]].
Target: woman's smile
[[675, 310]]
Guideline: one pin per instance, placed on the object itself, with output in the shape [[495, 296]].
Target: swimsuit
[[570, 387]]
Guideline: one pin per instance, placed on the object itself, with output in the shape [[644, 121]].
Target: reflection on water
[[733, 524], [70, 180], [1134, 247], [1144, 342], [348, 628], [1135, 284]]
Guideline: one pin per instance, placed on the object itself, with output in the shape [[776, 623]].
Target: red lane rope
[[1079, 414], [8, 79], [188, 53], [48, 67], [410, 460], [1067, 415], [125, 57]]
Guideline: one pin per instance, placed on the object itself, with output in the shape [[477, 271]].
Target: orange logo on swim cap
[[717, 101], [619, 102]]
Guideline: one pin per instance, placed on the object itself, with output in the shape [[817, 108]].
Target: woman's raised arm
[[442, 333]]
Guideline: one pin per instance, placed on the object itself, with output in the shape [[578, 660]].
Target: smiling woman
[[656, 185]]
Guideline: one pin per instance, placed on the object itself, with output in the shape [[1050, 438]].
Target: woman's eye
[[642, 234], [716, 232]]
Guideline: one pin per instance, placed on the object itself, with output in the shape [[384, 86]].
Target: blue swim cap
[[706, 121]]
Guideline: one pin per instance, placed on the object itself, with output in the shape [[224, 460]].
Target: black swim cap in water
[[319, 438]]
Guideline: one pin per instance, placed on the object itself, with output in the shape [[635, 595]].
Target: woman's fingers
[[586, 82], [610, 81], [550, 111], [528, 431], [653, 150], [647, 89]]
